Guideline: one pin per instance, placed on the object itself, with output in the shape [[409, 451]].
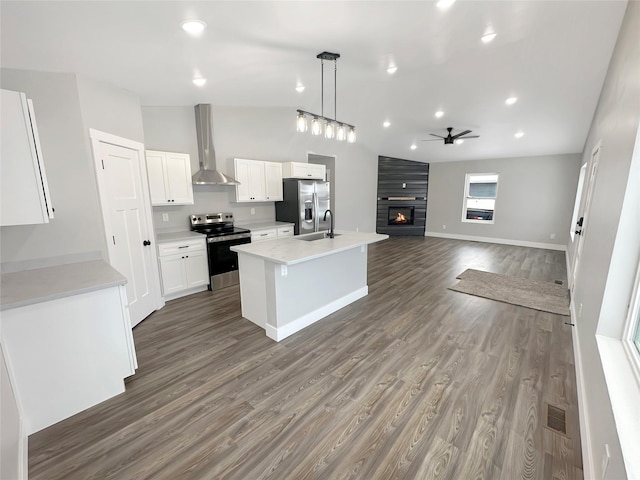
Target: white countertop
[[27, 287], [292, 250], [177, 236], [262, 224]]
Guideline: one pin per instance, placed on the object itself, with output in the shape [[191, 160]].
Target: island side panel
[[309, 291], [253, 292]]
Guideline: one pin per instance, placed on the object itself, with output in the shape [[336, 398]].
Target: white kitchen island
[[288, 284]]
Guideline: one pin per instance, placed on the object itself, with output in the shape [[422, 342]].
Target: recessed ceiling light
[[299, 88], [439, 113], [391, 69], [193, 26], [414, 146], [459, 141], [386, 124], [199, 81], [511, 100], [444, 3], [487, 37], [519, 134]]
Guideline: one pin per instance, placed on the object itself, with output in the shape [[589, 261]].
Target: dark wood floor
[[413, 381]]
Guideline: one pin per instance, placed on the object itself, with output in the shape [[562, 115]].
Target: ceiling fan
[[450, 139]]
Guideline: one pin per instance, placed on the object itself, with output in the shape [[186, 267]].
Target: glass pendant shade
[[316, 128], [301, 123], [329, 129], [351, 136], [341, 133]]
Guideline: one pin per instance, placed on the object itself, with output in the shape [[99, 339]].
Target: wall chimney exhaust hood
[[208, 175]]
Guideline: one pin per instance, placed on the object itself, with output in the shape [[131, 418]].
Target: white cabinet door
[[178, 175], [169, 178], [196, 268], [273, 181], [174, 277], [303, 170], [24, 193], [251, 175], [266, 234], [155, 173], [316, 171]]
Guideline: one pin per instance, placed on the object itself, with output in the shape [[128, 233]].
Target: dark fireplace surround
[[402, 196]]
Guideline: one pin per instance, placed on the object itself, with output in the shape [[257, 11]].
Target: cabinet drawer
[[260, 235], [285, 231], [169, 248]]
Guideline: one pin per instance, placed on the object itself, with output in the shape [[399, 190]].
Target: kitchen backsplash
[[210, 199]]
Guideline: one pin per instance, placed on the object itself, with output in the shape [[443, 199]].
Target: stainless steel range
[[221, 235]]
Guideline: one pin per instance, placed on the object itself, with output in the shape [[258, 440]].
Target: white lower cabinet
[[285, 231], [183, 267], [260, 235]]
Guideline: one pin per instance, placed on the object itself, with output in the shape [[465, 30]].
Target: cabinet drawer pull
[[184, 246]]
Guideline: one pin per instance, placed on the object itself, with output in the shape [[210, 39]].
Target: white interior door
[[126, 212], [581, 228]]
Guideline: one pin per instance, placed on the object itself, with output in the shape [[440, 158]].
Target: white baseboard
[[588, 467], [298, 324], [501, 241]]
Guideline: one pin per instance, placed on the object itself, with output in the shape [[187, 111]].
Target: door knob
[[146, 243]]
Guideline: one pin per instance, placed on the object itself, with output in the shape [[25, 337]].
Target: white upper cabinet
[[259, 181], [273, 181], [169, 178], [303, 170], [24, 193]]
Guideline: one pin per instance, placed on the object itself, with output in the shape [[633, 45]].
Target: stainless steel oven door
[[223, 263]]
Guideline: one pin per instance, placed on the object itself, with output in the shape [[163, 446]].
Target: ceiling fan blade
[[436, 135], [432, 140], [470, 136], [460, 134]]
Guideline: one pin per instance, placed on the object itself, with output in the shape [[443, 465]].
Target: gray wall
[[535, 198], [260, 134], [615, 124], [66, 106]]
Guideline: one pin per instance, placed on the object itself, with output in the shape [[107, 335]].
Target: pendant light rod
[[334, 128]]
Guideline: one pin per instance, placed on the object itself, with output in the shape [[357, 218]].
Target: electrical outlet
[[444, 227], [165, 217], [253, 211], [606, 455], [552, 236]]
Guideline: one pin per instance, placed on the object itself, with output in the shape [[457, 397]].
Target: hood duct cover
[[208, 175]]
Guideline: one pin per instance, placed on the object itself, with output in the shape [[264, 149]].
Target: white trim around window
[[480, 196]]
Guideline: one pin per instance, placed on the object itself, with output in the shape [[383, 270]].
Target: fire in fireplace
[[400, 215]]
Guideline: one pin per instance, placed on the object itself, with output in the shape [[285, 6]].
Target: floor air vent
[[556, 419]]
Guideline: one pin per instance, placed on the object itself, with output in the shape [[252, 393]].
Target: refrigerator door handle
[[316, 220]]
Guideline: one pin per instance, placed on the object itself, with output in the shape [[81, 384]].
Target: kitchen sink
[[310, 237]]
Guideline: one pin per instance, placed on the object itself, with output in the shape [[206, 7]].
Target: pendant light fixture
[[332, 127]]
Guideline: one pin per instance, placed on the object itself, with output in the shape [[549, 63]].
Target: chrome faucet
[[330, 234]]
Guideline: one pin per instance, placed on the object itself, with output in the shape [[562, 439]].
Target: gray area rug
[[544, 296]]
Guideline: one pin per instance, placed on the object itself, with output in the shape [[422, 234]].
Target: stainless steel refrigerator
[[304, 203]]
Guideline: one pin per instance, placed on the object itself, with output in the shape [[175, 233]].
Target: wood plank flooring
[[413, 381]]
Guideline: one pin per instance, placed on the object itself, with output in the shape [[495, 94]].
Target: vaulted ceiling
[[551, 55]]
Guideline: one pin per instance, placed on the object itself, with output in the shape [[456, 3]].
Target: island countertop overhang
[[293, 250]]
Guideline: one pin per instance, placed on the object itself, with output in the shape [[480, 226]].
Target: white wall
[[260, 134], [615, 124], [535, 198], [75, 228], [66, 106]]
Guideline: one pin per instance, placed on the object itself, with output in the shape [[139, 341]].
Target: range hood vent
[[208, 175]]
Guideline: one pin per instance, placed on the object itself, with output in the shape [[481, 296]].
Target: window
[[633, 320], [480, 192]]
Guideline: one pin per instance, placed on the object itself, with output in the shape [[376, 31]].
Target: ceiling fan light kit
[[333, 128]]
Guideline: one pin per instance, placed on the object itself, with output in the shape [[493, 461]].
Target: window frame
[[466, 197], [632, 327]]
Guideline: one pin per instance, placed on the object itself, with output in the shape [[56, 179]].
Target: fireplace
[[401, 215]]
